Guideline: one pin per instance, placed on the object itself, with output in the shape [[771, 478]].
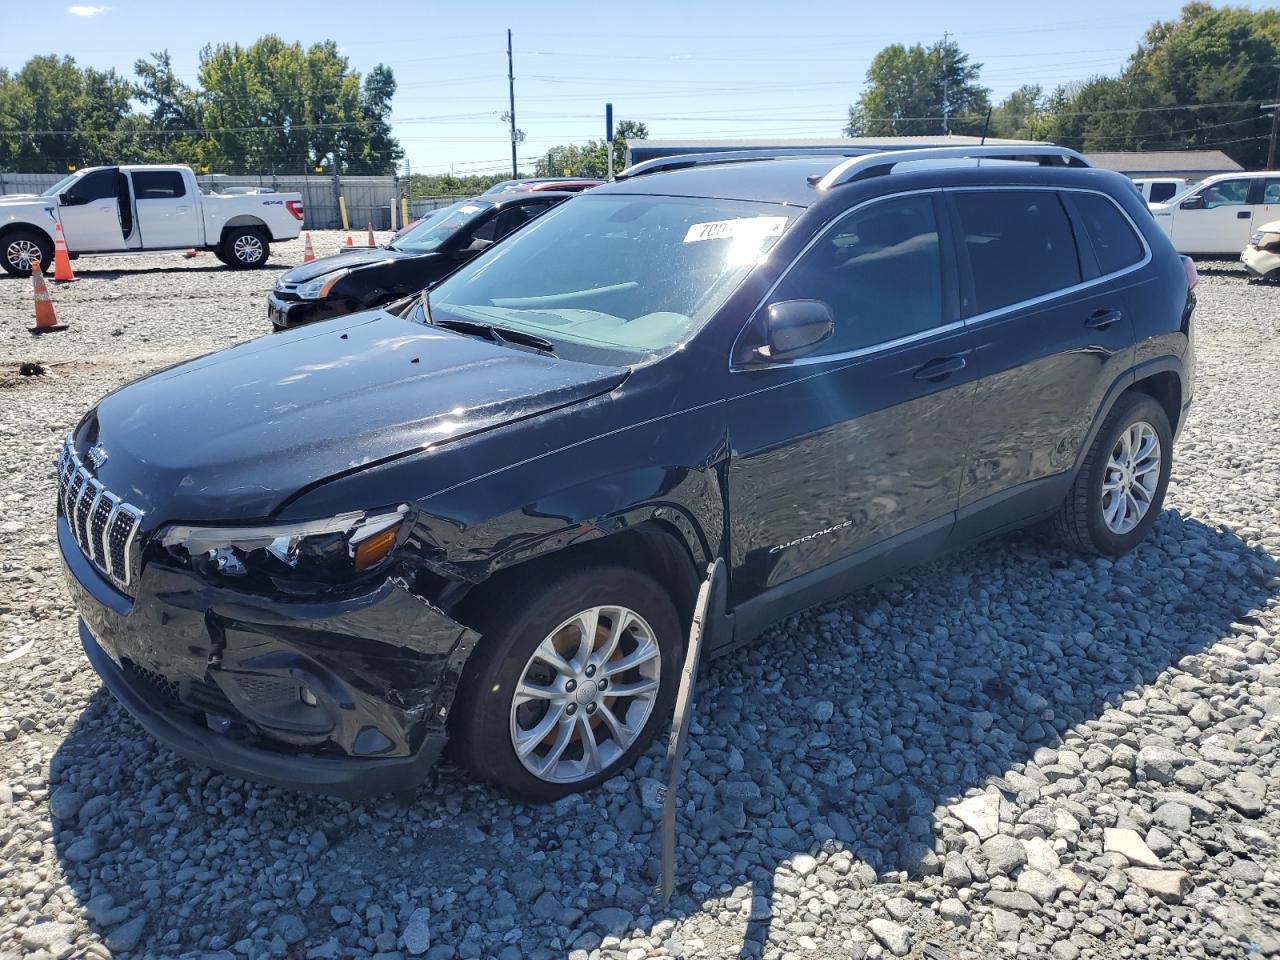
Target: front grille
[[104, 526]]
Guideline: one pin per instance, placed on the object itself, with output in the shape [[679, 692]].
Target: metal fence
[[368, 199]]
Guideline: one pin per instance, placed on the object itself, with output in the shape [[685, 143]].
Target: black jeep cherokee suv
[[311, 558]]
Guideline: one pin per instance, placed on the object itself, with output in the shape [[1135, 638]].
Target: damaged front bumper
[[347, 696]]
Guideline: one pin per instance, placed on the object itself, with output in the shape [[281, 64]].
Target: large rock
[[417, 932], [44, 935], [893, 936], [1129, 845], [1041, 856], [1004, 855], [1041, 886], [1159, 763], [126, 936], [1169, 885], [981, 814], [1173, 816]]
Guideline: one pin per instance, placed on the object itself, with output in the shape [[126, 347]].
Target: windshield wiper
[[491, 331]]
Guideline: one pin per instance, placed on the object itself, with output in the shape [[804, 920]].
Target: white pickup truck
[[110, 210]]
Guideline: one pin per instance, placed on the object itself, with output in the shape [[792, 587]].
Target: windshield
[[615, 272], [440, 225], [58, 187]]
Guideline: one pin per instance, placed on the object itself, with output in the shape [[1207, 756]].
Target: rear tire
[[245, 248], [542, 615], [19, 249], [1120, 488]]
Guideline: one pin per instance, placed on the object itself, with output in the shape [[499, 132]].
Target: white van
[[1217, 216], [1160, 189]]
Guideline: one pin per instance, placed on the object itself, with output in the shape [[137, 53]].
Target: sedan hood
[[232, 435], [358, 257]]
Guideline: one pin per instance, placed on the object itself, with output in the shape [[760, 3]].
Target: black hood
[[358, 257], [232, 435]]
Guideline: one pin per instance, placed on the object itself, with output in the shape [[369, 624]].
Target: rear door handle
[[939, 368], [1244, 214], [1103, 319]]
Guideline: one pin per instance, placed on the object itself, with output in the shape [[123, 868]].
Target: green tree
[[592, 158], [1197, 81], [1020, 115], [54, 115], [920, 91], [273, 107]]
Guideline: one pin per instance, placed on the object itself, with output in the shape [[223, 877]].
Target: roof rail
[[682, 160], [877, 164]]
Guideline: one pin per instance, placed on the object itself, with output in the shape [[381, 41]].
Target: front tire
[[245, 248], [1120, 488], [575, 674], [21, 248]]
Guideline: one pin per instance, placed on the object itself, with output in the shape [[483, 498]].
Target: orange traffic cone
[[307, 253], [46, 319], [349, 243], [61, 260], [372, 242]]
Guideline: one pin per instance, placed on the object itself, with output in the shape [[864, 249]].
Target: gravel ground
[[1011, 751]]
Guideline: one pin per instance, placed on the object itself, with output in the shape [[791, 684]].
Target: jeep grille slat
[[103, 526]]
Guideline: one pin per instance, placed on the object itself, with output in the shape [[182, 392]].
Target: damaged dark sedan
[[316, 558], [362, 278]]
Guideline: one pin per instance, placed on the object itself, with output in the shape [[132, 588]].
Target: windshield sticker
[[469, 208], [757, 228]]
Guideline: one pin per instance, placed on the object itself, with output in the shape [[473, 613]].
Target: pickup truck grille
[[103, 525]]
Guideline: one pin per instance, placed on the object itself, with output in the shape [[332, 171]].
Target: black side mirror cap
[[1192, 203], [794, 328]]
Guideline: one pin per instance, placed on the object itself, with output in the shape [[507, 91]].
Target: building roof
[[1198, 163]]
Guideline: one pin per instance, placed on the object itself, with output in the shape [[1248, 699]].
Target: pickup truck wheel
[[21, 248], [1121, 484], [245, 248], [574, 676]]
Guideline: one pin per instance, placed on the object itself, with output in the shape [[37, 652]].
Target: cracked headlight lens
[[321, 552]]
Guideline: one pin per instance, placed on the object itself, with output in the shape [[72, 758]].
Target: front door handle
[[1244, 214], [1102, 319], [939, 368]]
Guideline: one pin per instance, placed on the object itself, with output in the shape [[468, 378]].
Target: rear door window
[[1114, 241], [158, 184], [1160, 192], [879, 270], [1019, 246]]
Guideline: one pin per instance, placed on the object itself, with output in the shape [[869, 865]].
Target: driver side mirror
[[793, 328], [1192, 203], [70, 200]]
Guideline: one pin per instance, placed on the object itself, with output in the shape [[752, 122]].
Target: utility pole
[[946, 123], [511, 92], [1275, 124]]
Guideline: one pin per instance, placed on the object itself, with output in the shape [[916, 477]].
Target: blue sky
[[693, 68]]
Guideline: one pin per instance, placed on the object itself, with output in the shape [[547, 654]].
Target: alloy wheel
[[247, 248], [1131, 477], [586, 694], [22, 254]]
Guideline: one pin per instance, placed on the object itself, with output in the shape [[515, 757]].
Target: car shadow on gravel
[[849, 727], [116, 273]]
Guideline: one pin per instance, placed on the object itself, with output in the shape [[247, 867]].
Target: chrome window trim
[[846, 354], [982, 318]]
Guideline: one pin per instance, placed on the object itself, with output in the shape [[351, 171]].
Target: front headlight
[[319, 288], [312, 554]]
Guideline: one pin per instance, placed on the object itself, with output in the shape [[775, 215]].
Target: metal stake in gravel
[[711, 590]]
